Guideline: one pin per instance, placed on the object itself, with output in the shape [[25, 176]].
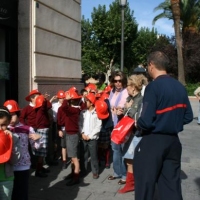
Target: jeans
[[118, 161]]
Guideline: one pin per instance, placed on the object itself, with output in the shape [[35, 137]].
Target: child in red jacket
[[72, 112], [42, 105]]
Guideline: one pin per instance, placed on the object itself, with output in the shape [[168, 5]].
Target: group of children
[[83, 122]]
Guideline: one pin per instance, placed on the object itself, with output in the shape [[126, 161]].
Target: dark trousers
[[20, 187], [89, 148], [157, 160]]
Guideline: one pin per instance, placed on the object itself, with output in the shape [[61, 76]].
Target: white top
[[90, 124], [54, 108]]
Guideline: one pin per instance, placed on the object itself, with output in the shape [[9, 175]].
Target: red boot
[[130, 184]]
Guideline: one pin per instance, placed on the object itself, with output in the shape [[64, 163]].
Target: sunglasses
[[115, 81]]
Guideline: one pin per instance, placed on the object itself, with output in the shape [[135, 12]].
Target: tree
[[145, 40], [176, 17], [189, 14], [101, 47], [173, 11]]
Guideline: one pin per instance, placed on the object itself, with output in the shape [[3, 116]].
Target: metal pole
[[122, 41]]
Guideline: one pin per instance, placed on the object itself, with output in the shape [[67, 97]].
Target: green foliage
[[101, 38], [191, 87], [145, 40], [190, 14]]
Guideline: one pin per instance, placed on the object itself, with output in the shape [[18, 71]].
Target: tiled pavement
[[54, 188]]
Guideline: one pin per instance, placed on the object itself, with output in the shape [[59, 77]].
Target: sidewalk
[[53, 187]]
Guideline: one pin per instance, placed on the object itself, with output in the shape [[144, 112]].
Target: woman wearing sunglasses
[[117, 100]]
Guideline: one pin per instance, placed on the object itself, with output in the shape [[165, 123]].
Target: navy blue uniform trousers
[[158, 161]]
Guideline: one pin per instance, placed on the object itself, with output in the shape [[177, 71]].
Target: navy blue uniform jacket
[[166, 107]]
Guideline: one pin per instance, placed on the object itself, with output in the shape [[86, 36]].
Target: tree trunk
[[175, 4]]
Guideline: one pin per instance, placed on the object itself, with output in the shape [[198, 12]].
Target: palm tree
[[189, 16], [176, 13]]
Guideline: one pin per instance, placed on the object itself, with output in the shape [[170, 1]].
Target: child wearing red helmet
[[58, 125], [89, 127], [72, 110], [104, 113], [42, 105], [28, 113], [9, 154], [22, 167]]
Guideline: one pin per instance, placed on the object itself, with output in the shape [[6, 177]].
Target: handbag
[[122, 130]]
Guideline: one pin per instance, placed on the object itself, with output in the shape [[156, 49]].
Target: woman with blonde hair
[[133, 108]]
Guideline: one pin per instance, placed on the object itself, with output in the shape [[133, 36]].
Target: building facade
[[48, 48]]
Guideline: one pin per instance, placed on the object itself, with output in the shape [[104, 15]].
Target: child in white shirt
[[89, 126]]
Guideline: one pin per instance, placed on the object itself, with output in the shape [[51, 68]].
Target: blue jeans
[[118, 161]]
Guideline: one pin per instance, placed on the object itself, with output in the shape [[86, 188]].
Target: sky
[[143, 13]]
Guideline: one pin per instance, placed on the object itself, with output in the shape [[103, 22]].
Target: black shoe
[[40, 174], [64, 165], [45, 170], [72, 182]]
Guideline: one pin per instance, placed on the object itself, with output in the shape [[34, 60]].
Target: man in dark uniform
[[166, 108]]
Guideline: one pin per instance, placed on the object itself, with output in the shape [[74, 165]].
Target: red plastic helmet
[[107, 89], [12, 106], [28, 98], [5, 146], [101, 109], [91, 97], [92, 86], [104, 96], [73, 94], [39, 101], [73, 89], [98, 95], [61, 94]]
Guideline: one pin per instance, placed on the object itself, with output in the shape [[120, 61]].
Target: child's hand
[[8, 132], [53, 98], [85, 137], [60, 133], [68, 97], [46, 95], [34, 136]]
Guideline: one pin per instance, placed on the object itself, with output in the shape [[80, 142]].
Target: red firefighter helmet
[[73, 89], [107, 89], [61, 94], [28, 98], [5, 146], [73, 94], [104, 96], [39, 101], [12, 106], [101, 109], [91, 97]]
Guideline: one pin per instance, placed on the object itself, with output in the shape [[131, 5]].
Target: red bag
[[122, 130]]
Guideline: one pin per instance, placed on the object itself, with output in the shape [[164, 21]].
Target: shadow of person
[[197, 181], [183, 175], [53, 187]]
